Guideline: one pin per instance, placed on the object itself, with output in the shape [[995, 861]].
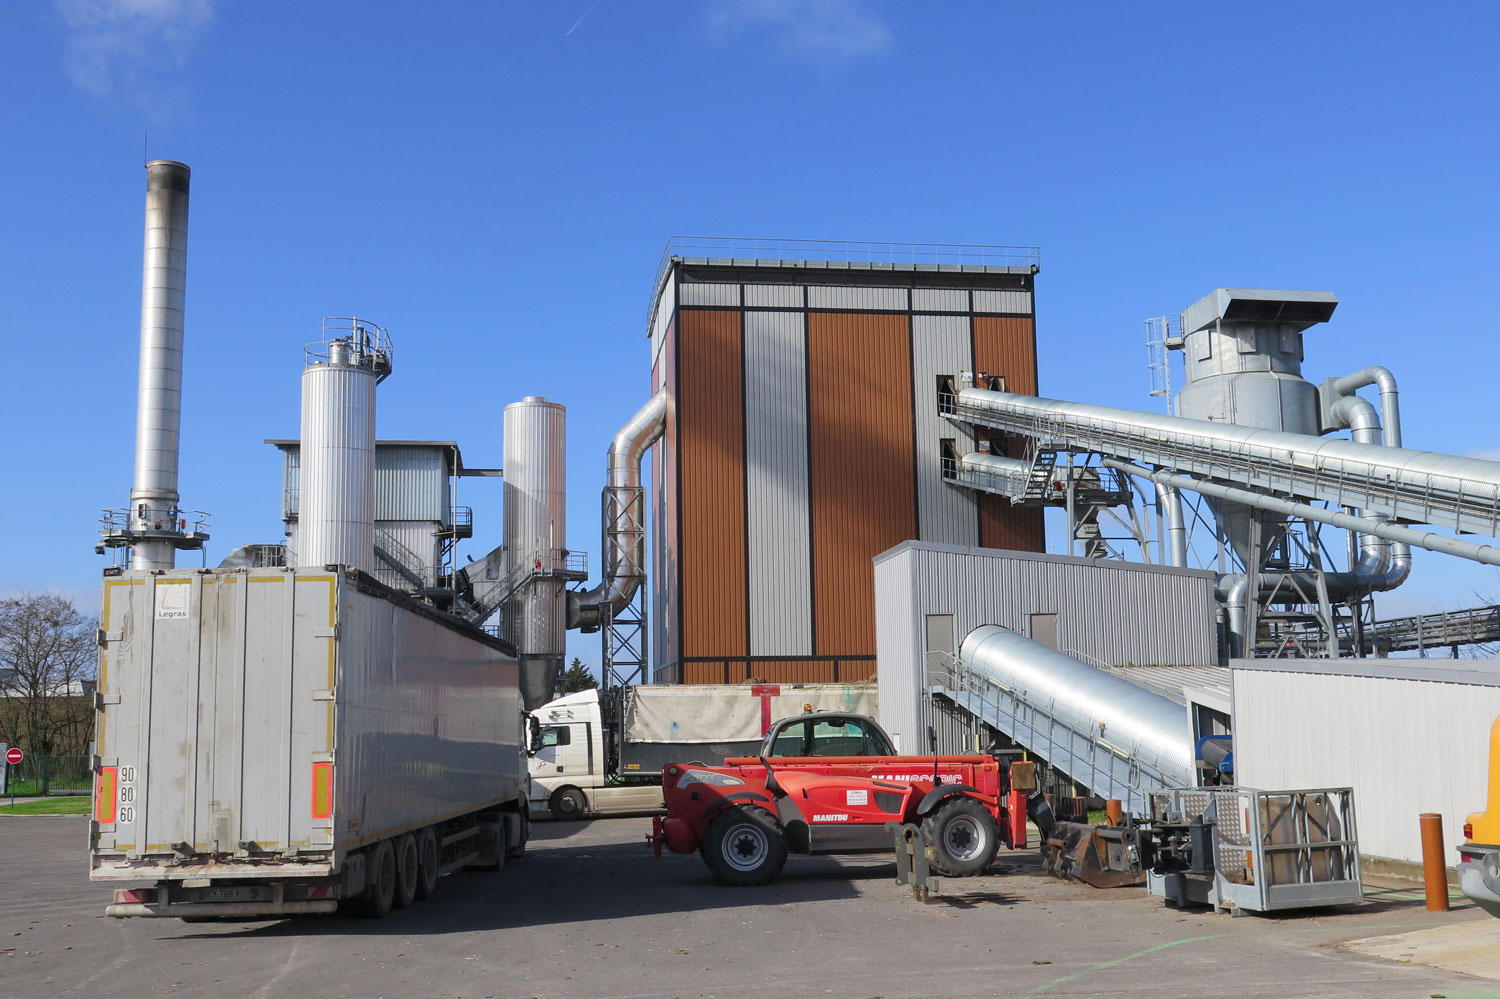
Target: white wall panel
[[891, 299], [1405, 745], [773, 296], [1003, 301], [776, 484], [947, 514], [704, 293], [939, 300], [666, 308]]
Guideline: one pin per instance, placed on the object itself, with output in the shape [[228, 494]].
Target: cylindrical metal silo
[[336, 502], [153, 494], [1242, 353], [534, 618]]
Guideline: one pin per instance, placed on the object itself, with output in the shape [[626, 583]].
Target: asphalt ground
[[589, 912]]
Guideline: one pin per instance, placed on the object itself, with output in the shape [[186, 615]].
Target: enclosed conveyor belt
[[1419, 487], [1107, 734]]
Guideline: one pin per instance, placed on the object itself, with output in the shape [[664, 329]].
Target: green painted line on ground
[[1120, 960]]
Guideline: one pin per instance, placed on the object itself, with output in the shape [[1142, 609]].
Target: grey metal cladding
[[906, 712], [708, 293], [1107, 612], [939, 300], [883, 299], [773, 296], [666, 307], [940, 345], [1018, 302], [411, 483], [776, 484]]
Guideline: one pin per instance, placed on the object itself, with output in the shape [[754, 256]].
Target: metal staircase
[[402, 560]]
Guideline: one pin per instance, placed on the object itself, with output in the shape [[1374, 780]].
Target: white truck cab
[[569, 773]]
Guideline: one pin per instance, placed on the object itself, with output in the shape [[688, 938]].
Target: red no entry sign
[[14, 756]]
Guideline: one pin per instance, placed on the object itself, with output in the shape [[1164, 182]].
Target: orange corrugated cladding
[[710, 410], [1006, 346], [863, 496]]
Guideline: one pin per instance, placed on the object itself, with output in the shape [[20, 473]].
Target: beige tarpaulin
[[730, 713]]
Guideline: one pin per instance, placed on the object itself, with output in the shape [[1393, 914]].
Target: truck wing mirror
[[533, 735]]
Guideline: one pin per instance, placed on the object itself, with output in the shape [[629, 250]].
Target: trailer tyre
[[429, 867], [963, 837], [517, 850], [744, 847], [567, 803], [380, 893], [408, 871]]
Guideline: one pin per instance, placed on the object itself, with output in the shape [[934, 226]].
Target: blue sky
[[494, 183]]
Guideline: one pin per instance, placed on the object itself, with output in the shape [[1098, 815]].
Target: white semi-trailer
[[277, 741], [601, 752]]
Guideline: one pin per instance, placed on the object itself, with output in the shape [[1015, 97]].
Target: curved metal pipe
[[1390, 405], [1383, 564], [1170, 501], [624, 541]]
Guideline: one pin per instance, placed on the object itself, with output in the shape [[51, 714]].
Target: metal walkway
[[1446, 629], [1418, 487]]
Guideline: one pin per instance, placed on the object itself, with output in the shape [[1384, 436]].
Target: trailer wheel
[[381, 891], [567, 803], [744, 847], [428, 865], [407, 873], [963, 837], [517, 850]]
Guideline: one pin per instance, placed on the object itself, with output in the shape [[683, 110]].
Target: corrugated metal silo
[[534, 619]]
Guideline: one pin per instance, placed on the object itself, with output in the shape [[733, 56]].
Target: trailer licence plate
[[245, 894]]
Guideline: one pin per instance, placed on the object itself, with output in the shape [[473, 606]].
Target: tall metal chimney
[[153, 527], [336, 480]]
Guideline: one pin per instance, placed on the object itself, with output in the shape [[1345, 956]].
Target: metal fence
[[38, 775]]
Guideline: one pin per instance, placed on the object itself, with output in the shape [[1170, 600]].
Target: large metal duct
[[1420, 487], [153, 516], [1100, 729], [536, 541], [624, 520], [336, 485]]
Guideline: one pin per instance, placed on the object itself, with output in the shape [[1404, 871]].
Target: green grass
[[73, 805]]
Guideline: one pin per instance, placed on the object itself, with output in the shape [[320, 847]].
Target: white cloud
[[121, 47], [806, 29]]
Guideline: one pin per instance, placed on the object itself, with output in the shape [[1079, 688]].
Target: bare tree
[[48, 659]]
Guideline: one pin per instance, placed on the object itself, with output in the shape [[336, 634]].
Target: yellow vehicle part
[[1485, 825]]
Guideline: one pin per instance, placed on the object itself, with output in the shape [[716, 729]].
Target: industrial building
[[1409, 735], [803, 438], [416, 521], [850, 464], [928, 597]]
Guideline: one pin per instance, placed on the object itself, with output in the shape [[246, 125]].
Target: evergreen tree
[[575, 678]]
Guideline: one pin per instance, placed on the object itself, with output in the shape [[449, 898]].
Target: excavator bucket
[[1102, 856]]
